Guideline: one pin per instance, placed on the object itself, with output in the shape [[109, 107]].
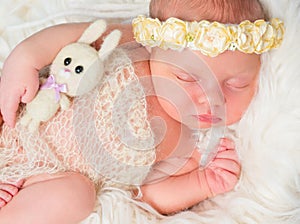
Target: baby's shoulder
[[139, 58]]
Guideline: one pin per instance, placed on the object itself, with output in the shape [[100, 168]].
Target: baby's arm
[[19, 80], [192, 185]]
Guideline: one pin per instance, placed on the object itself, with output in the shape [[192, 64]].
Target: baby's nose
[[197, 93], [202, 97]]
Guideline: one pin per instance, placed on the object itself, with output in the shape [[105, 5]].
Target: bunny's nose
[[64, 72]]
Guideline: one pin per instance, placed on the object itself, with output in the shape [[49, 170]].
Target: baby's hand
[[8, 191], [223, 172], [19, 83]]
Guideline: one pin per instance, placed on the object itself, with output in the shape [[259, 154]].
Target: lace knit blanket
[[98, 135]]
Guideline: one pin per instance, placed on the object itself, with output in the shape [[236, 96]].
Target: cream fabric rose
[[192, 31], [233, 34], [173, 34], [211, 39], [248, 37], [146, 31], [266, 36], [279, 31]]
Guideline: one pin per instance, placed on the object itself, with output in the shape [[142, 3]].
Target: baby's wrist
[[205, 188]]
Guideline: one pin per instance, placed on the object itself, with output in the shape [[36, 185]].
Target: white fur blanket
[[269, 188]]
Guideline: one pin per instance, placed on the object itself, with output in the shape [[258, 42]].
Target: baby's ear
[[109, 44], [93, 32]]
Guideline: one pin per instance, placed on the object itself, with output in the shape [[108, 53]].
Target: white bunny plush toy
[[77, 69]]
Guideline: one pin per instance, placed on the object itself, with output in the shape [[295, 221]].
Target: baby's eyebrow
[[243, 72], [234, 80], [193, 74], [241, 78]]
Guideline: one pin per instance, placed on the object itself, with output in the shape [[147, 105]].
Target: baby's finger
[[228, 154], [19, 183], [29, 94], [2, 203], [9, 107], [8, 188], [9, 117], [5, 196], [227, 143], [227, 165], [220, 181]]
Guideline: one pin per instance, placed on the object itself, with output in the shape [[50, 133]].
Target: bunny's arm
[[126, 30], [64, 102]]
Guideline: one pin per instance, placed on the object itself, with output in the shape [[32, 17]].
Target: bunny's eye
[[67, 61], [79, 69]]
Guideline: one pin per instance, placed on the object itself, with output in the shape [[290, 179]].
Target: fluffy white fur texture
[[269, 188]]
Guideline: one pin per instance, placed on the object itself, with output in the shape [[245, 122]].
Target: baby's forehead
[[193, 62]]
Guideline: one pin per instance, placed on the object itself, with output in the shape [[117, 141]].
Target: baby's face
[[192, 87]]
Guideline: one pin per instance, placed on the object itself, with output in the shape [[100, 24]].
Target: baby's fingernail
[[8, 198], [2, 203], [9, 124], [222, 148]]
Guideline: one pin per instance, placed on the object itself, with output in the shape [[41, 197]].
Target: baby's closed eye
[[183, 77], [237, 84]]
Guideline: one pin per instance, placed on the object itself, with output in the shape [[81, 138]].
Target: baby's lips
[[208, 118]]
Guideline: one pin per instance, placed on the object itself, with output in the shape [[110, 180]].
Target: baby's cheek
[[235, 107], [169, 108], [233, 116]]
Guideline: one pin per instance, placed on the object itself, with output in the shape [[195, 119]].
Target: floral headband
[[211, 38]]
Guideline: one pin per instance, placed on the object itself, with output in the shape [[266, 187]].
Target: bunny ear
[[93, 32], [110, 43]]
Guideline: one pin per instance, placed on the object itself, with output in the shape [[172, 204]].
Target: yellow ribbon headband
[[211, 38]]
